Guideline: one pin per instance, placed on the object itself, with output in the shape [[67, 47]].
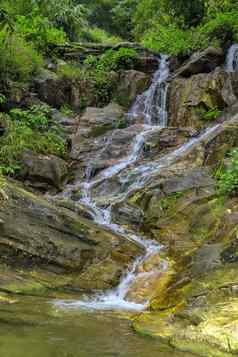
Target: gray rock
[[201, 62], [44, 171]]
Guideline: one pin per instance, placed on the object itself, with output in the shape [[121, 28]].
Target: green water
[[33, 327]]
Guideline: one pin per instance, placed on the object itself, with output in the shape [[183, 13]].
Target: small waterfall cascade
[[152, 104], [232, 59]]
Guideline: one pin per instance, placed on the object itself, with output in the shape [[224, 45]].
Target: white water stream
[[232, 59], [152, 105]]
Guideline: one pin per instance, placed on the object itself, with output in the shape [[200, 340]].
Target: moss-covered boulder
[[197, 311], [62, 248], [131, 83], [190, 99]]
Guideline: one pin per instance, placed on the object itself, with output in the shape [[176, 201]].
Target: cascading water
[[152, 107], [154, 104], [232, 59]]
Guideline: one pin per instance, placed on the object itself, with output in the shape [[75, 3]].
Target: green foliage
[[28, 129], [2, 98], [66, 14], [180, 27], [170, 200], [18, 59], [98, 70], [219, 28], [66, 110], [169, 39], [37, 117], [113, 60], [227, 177], [71, 71], [122, 17], [212, 114], [97, 35], [39, 30]]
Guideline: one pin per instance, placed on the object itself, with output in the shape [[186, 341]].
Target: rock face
[[201, 62], [43, 171], [37, 236], [99, 153], [103, 138], [97, 121], [58, 91], [131, 84], [191, 98], [198, 230]]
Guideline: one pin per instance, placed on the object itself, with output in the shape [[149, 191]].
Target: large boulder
[[43, 171], [103, 151], [37, 237], [97, 121], [131, 83], [201, 62], [58, 90], [191, 98]]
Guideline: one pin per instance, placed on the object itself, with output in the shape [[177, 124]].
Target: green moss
[[169, 201]]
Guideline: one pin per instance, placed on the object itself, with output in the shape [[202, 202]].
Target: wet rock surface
[[166, 192], [131, 83], [51, 240], [191, 98], [198, 231]]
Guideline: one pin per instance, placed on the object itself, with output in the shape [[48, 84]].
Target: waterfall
[[152, 107], [232, 59], [153, 103]]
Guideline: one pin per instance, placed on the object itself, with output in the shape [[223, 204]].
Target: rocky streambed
[[134, 176]]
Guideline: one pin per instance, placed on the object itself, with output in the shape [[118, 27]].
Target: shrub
[[123, 58], [28, 129], [19, 61], [97, 35], [39, 30], [222, 26], [71, 71], [37, 117], [169, 39], [227, 177]]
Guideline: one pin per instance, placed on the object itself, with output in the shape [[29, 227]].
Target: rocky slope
[[46, 247], [54, 245]]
